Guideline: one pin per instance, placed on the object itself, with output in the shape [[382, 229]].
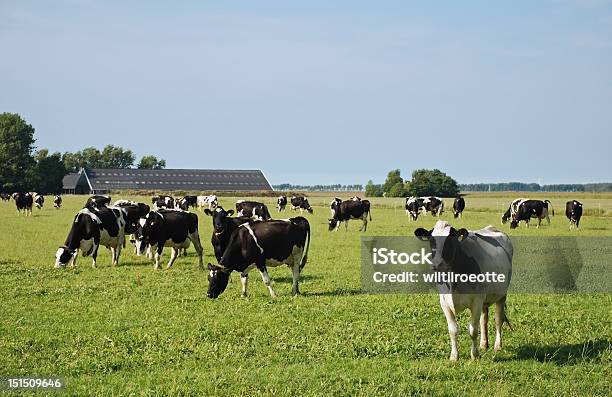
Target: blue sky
[[314, 92]]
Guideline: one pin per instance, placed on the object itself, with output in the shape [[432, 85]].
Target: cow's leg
[[94, 254], [452, 329], [295, 288], [244, 281], [476, 311], [500, 315], [195, 239], [113, 251], [346, 226], [484, 322], [73, 261], [173, 255], [158, 252], [266, 279], [364, 226]]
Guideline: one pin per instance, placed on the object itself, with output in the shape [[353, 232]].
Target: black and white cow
[[458, 207], [23, 202], [162, 201], [262, 245], [134, 212], [351, 209], [435, 205], [573, 211], [39, 200], [97, 201], [333, 206], [57, 201], [92, 227], [168, 227], [281, 203], [355, 198], [211, 202], [223, 227], [509, 214], [532, 209], [186, 202], [413, 206], [477, 252], [5, 196], [301, 203], [253, 209]]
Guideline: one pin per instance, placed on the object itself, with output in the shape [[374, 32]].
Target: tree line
[[26, 169], [424, 182], [319, 188], [535, 187]]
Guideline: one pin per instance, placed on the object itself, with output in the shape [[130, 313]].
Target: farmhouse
[[99, 180]]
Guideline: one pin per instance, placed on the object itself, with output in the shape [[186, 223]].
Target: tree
[[90, 157], [151, 163], [394, 184], [48, 172], [16, 145], [116, 157], [372, 190], [432, 183]]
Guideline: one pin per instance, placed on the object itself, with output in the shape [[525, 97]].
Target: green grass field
[[129, 330]]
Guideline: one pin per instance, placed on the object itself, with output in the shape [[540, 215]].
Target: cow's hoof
[[484, 345], [243, 295], [497, 348], [453, 357], [475, 355]]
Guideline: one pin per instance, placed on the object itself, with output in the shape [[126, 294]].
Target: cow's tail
[[306, 246], [551, 207], [506, 319]]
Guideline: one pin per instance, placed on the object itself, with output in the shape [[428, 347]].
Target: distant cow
[[211, 202], [23, 202], [509, 214], [301, 203], [471, 253], [355, 198], [253, 209], [435, 205], [5, 196], [186, 202], [573, 211], [351, 209], [333, 206], [458, 207], [281, 202], [223, 227], [162, 201], [98, 201], [39, 200], [168, 227], [413, 206], [57, 201], [91, 228], [532, 209], [262, 245]]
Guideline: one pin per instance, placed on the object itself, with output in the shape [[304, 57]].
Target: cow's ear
[[208, 212], [422, 234], [462, 234], [230, 212]]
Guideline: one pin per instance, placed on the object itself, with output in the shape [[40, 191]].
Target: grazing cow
[[97, 201], [532, 209], [348, 210], [262, 245], [413, 206], [186, 202], [5, 196], [23, 202], [479, 252], [301, 203], [435, 205], [509, 214], [281, 203], [333, 206], [253, 209], [209, 202], [91, 228], [573, 211], [168, 227], [133, 212], [39, 200], [162, 201], [223, 227], [355, 198], [57, 201], [458, 207]]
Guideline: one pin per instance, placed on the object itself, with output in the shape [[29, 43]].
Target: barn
[[99, 180]]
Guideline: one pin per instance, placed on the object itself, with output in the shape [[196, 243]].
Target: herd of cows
[[249, 238]]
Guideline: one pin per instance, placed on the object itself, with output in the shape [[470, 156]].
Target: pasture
[[131, 330]]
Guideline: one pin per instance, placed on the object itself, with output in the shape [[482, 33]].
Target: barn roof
[[171, 179]]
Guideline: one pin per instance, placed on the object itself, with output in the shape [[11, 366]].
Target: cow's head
[[142, 235], [505, 217], [514, 224], [444, 241], [218, 278], [333, 224], [308, 207], [63, 256], [219, 216]]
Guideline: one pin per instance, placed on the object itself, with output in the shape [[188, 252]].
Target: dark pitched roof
[[175, 179], [71, 180]]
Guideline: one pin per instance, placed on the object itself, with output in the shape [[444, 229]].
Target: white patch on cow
[[246, 225], [89, 213]]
